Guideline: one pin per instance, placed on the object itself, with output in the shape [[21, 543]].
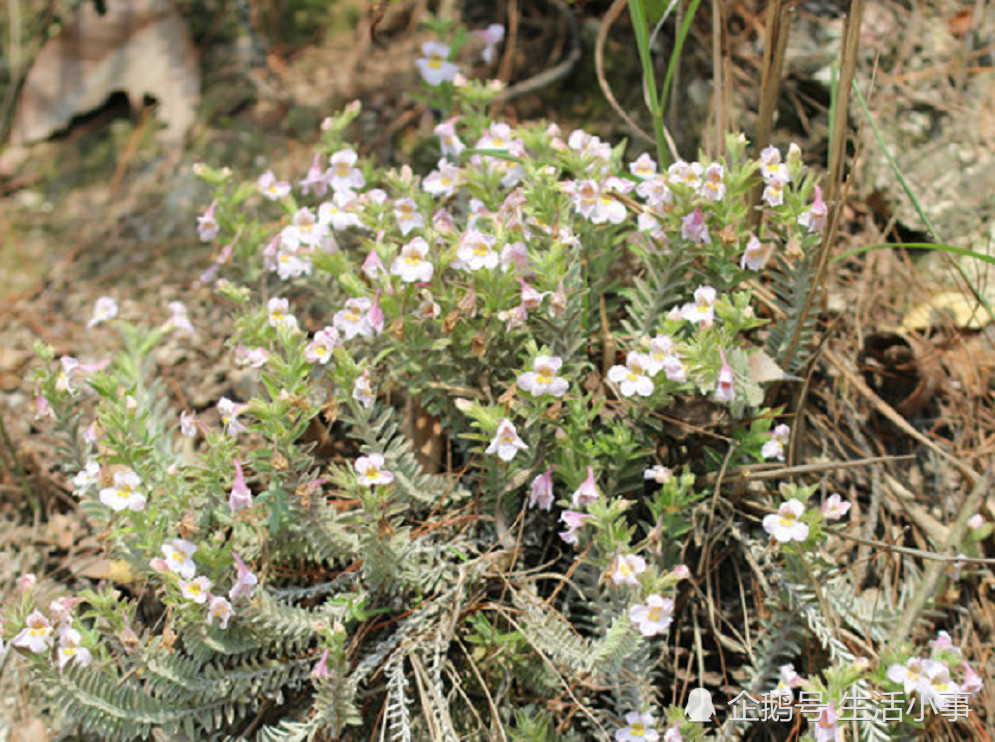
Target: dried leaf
[[140, 47], [946, 308]]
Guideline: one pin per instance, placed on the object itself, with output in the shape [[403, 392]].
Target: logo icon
[[699, 708]]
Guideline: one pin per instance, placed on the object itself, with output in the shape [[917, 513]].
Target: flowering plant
[[552, 304]]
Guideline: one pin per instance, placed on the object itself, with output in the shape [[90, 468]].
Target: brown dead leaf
[[29, 730], [62, 530], [139, 47]]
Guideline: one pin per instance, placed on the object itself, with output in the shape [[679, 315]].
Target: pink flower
[[911, 675], [774, 448], [43, 409], [196, 589], [343, 175], [271, 188], [638, 728], [207, 225], [686, 174], [972, 682], [626, 568], [531, 297], [725, 387], [373, 267], [253, 357], [124, 495], [320, 669], [434, 65], [573, 520], [785, 525], [543, 380], [632, 378], [412, 265], [835, 507], [492, 35], [37, 636], [815, 216], [104, 308], [315, 179], [694, 227], [245, 580], [319, 350], [654, 616], [374, 317], [506, 443], [240, 497], [825, 728], [370, 471], [219, 608], [541, 491], [941, 688], [587, 492], [788, 679]]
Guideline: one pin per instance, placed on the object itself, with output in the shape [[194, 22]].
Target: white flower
[[271, 188], [638, 728], [179, 557], [632, 377], [188, 424], [407, 215], [713, 188], [506, 442], [626, 568], [340, 212], [755, 254], [219, 608], [412, 264], [279, 315], [124, 495], [442, 182], [36, 636], [88, 476], [659, 474], [71, 651], [784, 525], [342, 173], [941, 688], [179, 319], [319, 350], [434, 66], [912, 675], [229, 411], [370, 471], [702, 311], [196, 590], [476, 250], [362, 389], [353, 319], [104, 308], [774, 448], [644, 167], [976, 521], [835, 507], [543, 380], [654, 616]]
